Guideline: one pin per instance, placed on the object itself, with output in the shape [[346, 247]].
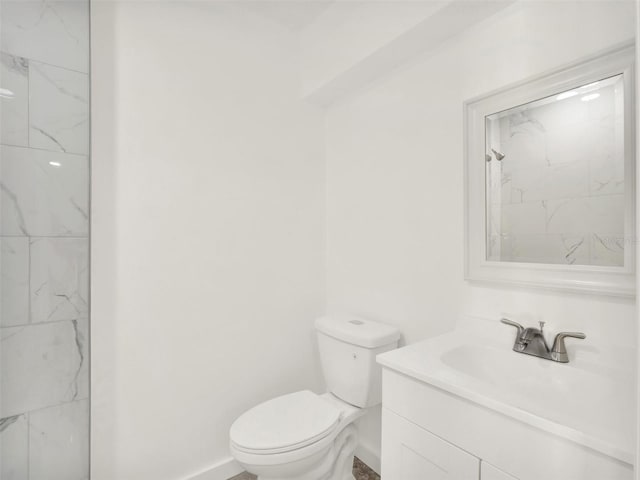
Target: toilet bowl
[[301, 436], [306, 436]]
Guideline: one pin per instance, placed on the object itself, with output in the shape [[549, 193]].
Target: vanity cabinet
[[431, 433], [411, 453], [489, 472]]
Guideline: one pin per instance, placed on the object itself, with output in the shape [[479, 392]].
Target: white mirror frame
[[617, 281]]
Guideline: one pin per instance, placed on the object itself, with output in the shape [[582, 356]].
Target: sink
[[585, 401], [498, 367], [577, 398]]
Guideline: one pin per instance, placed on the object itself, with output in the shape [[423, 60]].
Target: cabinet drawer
[[412, 453], [489, 472], [494, 437]]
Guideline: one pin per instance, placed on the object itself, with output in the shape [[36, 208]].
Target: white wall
[[348, 32], [351, 43], [208, 207], [395, 182]]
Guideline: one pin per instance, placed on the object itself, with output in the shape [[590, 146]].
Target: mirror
[[555, 178], [549, 173]]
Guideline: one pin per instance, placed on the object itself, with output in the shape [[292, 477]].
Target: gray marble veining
[[43, 365], [59, 109], [59, 442], [14, 281], [43, 193], [14, 448], [44, 225], [14, 100], [49, 31], [59, 279], [560, 186]]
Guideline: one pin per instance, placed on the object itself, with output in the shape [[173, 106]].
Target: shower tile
[[550, 248], [571, 142], [59, 279], [14, 448], [527, 144], [607, 174], [55, 32], [43, 193], [522, 218], [564, 180], [58, 109], [607, 250], [59, 442], [589, 214], [14, 281], [14, 100], [43, 365]]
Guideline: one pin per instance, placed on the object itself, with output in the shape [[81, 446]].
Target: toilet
[[306, 436]]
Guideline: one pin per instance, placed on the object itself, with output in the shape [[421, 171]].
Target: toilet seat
[[285, 424]]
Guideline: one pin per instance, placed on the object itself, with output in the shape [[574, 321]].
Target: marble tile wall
[[558, 194], [44, 244]]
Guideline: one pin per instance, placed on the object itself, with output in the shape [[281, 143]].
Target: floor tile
[[360, 470]]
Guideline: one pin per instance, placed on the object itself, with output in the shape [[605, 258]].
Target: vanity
[[549, 204], [464, 405]]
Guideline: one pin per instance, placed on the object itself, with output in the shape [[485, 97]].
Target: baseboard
[[222, 470], [369, 456], [228, 467]]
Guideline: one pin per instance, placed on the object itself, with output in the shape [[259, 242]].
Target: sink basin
[[498, 367], [583, 401]]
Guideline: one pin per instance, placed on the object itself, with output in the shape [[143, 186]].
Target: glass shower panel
[[44, 240]]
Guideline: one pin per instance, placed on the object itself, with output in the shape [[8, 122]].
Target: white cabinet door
[[489, 472], [412, 453]]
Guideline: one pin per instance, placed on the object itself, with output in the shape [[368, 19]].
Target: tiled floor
[[360, 470]]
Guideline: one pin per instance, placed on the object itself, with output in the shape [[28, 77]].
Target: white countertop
[[584, 401]]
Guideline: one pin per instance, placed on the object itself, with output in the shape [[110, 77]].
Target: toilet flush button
[[356, 322]]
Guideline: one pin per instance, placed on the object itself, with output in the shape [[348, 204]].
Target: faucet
[[531, 342]]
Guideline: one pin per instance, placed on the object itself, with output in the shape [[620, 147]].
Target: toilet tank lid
[[357, 331]]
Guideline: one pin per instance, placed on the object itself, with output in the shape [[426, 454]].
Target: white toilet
[[306, 436]]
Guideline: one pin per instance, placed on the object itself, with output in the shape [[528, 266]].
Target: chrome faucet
[[531, 342]]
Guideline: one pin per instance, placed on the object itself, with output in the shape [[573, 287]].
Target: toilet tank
[[348, 347]]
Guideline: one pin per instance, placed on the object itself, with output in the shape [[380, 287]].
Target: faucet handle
[[520, 328], [541, 323], [559, 350]]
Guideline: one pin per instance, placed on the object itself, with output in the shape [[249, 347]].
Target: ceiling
[[293, 15]]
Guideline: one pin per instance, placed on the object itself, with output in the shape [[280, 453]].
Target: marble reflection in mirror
[[555, 178]]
